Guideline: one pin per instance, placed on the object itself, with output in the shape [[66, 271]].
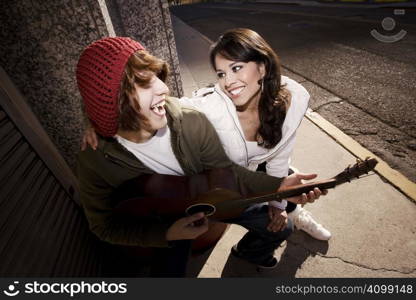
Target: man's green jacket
[[196, 146]]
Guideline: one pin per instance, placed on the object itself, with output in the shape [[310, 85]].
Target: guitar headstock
[[360, 168]]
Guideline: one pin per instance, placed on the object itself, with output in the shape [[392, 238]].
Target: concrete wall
[[150, 23], [41, 43]]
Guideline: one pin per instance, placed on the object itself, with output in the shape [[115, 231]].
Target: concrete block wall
[[41, 43]]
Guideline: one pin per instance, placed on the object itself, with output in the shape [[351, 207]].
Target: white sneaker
[[303, 220]]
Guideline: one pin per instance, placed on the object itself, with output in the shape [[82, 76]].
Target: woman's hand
[[186, 229], [278, 219], [295, 179], [89, 138]]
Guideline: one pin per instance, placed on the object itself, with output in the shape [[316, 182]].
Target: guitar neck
[[292, 191]]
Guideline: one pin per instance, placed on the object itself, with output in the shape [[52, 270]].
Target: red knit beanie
[[99, 74]]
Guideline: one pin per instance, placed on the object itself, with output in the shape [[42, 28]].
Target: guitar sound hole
[[207, 209]]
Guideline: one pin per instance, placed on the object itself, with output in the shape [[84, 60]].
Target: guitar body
[[214, 192], [169, 196]]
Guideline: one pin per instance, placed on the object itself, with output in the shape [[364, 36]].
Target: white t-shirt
[[156, 153]]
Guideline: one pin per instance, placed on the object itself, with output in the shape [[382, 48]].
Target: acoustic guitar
[[214, 192]]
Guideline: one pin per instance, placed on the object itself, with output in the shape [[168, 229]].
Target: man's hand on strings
[[188, 228]]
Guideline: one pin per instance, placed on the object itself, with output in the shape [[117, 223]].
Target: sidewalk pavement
[[373, 225]]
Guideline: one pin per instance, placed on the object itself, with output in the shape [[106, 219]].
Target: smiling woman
[[256, 112], [248, 72]]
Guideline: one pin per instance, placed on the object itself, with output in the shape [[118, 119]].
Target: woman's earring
[[275, 102], [260, 82]]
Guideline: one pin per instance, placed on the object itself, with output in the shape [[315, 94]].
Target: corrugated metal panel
[[42, 230]]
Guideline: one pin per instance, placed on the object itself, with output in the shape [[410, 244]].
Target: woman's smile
[[235, 92]]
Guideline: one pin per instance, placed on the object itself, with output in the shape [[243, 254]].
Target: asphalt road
[[365, 87]]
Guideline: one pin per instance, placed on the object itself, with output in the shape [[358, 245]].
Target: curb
[[394, 177]]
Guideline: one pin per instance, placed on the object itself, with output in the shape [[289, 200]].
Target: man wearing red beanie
[[142, 131]]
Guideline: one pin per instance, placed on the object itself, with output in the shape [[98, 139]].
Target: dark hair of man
[[138, 71], [246, 45]]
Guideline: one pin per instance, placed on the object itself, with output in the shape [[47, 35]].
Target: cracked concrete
[[373, 228], [342, 269], [372, 223], [356, 264]]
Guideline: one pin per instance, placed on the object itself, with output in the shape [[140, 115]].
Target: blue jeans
[[258, 244]]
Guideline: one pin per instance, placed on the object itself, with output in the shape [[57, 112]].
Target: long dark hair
[[245, 45]]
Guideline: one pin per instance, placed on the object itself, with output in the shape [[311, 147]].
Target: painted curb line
[[394, 177]]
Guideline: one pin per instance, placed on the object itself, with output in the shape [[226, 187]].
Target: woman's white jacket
[[221, 112]]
